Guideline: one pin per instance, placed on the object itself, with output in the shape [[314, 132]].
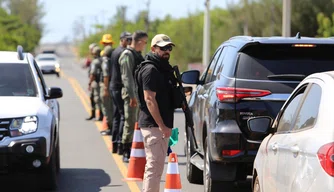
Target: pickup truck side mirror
[[259, 127]]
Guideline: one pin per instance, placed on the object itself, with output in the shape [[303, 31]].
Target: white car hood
[[11, 107]]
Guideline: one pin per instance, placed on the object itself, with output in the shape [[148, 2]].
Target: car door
[[202, 95], [273, 174], [298, 146]]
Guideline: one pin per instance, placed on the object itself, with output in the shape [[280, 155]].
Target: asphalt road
[[87, 164]]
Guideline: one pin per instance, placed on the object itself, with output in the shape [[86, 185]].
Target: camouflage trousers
[[107, 105], [131, 116], [96, 94]]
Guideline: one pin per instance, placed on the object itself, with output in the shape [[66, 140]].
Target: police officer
[[116, 92], [107, 105], [91, 95], [94, 79], [128, 60]]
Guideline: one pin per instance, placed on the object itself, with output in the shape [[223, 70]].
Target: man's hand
[[133, 102], [166, 132]]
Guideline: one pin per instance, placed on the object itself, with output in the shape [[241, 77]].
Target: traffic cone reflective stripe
[[137, 161], [173, 180]]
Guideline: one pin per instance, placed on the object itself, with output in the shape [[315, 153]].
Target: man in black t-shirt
[[154, 92]]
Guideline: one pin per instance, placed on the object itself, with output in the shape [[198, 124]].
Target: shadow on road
[[69, 180]]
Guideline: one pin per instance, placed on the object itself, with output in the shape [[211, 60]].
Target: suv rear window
[[263, 60], [17, 80]]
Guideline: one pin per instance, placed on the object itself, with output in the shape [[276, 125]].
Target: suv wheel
[[49, 174], [212, 185], [194, 175]]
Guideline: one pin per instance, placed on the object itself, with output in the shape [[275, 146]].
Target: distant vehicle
[[29, 119], [48, 63], [298, 153], [247, 77], [49, 52]]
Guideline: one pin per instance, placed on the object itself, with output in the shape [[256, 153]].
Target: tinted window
[[286, 119], [309, 109], [220, 64], [229, 62], [212, 66], [46, 59], [260, 61], [17, 80]]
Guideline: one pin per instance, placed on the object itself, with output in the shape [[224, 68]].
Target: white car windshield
[[17, 80], [46, 59]]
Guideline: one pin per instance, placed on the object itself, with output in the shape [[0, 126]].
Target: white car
[[29, 119], [298, 153], [48, 63]]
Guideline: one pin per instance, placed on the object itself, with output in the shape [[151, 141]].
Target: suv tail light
[[231, 94], [326, 158]]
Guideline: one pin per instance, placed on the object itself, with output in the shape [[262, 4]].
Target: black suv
[[247, 77]]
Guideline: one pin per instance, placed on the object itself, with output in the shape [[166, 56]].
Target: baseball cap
[[161, 40], [92, 45], [125, 35]]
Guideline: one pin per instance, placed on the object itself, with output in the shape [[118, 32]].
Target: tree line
[[254, 17], [20, 24]]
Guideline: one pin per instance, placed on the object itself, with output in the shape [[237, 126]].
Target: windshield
[[46, 59], [261, 62], [17, 80]]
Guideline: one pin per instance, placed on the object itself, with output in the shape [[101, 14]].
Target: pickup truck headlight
[[23, 126]]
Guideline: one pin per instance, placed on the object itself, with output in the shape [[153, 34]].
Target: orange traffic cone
[[173, 179], [137, 161], [104, 123]]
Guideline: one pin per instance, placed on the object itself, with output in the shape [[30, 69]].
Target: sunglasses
[[166, 48]]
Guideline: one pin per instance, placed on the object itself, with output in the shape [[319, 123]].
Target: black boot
[[92, 115], [120, 149], [127, 152], [114, 147]]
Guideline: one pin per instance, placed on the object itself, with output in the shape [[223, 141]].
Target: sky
[[61, 14]]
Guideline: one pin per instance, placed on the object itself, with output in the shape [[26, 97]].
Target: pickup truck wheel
[[49, 174], [212, 185], [194, 175], [256, 187]]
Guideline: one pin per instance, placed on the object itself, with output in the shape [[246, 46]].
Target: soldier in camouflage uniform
[[94, 79], [91, 93], [107, 105], [129, 59]]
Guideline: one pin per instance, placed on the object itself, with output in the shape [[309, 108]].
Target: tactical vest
[[137, 58]]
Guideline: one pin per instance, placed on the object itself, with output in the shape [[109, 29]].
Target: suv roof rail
[[242, 37], [298, 35], [20, 52]]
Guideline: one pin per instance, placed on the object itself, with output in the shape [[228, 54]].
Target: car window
[[229, 62], [260, 61], [309, 109], [220, 64], [17, 80], [287, 116], [212, 66], [46, 59]]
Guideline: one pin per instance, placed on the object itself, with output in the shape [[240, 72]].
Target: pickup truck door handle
[[295, 150]]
